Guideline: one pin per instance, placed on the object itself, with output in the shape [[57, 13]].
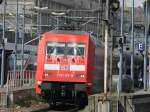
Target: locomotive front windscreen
[[71, 49], [55, 48], [76, 49]]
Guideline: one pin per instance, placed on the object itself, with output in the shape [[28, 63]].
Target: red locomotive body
[[65, 67]]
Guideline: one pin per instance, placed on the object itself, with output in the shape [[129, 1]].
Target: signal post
[[105, 104]]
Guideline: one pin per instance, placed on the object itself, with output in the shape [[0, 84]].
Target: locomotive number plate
[[64, 67]]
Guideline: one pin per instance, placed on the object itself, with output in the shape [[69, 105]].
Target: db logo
[[64, 67]]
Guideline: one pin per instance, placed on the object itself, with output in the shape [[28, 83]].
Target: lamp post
[[146, 42], [132, 44], [3, 45], [106, 47], [16, 38], [114, 6], [22, 51], [121, 49]]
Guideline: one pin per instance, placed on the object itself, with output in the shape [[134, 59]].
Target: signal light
[[1, 1]]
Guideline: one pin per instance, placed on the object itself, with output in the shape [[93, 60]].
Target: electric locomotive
[[66, 65]]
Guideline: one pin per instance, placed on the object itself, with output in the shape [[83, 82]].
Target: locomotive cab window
[[80, 51], [50, 50], [54, 48], [76, 49], [58, 48], [70, 51]]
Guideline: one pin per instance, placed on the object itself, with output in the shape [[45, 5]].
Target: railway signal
[[114, 5]]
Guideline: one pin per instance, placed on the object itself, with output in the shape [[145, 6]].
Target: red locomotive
[[65, 67]]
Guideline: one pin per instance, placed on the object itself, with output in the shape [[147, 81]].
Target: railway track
[[44, 108], [70, 110], [51, 110], [59, 108]]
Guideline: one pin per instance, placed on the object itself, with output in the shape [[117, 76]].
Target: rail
[[20, 80]]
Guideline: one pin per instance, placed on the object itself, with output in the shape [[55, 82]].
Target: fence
[[16, 81], [20, 80]]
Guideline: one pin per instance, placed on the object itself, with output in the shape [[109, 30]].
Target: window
[[75, 49], [80, 51], [54, 48], [70, 51], [58, 48], [50, 50]]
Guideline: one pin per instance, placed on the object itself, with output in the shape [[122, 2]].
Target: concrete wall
[[17, 97]]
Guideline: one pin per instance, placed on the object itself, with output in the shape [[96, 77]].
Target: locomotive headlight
[[39, 82], [80, 75], [47, 74]]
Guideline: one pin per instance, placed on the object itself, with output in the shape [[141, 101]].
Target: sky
[[137, 2]]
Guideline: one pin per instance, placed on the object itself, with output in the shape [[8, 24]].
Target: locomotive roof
[[74, 32], [77, 32]]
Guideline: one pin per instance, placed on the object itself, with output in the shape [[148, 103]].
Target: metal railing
[[18, 80]]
